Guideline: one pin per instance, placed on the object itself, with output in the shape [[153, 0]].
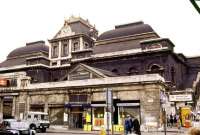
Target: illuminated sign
[[3, 82]]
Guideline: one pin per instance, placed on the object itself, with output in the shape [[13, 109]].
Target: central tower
[[73, 42]]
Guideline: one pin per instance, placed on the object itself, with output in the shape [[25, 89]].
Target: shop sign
[[85, 105], [65, 117], [3, 82], [180, 97], [98, 105], [128, 104]]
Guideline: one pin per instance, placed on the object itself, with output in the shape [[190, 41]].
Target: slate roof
[[114, 47], [28, 49], [19, 55], [126, 30]]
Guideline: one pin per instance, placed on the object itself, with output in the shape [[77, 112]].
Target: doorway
[[7, 107], [76, 118]]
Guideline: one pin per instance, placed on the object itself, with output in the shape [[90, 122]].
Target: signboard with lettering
[[180, 97]]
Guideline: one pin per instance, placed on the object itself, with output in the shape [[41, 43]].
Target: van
[[38, 120]]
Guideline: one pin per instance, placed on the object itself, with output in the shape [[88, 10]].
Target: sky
[[23, 21]]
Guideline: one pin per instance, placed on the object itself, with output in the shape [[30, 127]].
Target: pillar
[[14, 107], [28, 103], [46, 105], [70, 48], [81, 43], [1, 109]]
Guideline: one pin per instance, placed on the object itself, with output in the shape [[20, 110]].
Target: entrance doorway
[[76, 117], [7, 107]]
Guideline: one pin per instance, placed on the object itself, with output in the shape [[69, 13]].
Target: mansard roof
[[19, 55], [126, 30], [33, 47]]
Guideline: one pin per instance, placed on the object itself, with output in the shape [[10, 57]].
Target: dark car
[[14, 127]]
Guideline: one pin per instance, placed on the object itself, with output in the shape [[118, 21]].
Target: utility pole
[[109, 109], [165, 124]]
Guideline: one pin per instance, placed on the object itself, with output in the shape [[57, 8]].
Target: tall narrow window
[[75, 46], [65, 49], [54, 50]]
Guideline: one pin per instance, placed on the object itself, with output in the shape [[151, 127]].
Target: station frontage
[[78, 103]]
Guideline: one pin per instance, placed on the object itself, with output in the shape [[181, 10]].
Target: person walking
[[136, 126], [171, 120], [128, 125]]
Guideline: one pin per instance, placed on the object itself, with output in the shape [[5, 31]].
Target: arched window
[[115, 71], [132, 71], [155, 68]]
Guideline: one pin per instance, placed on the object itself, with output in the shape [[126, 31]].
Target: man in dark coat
[[136, 126], [128, 125]]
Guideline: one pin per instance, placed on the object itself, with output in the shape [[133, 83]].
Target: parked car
[[14, 127], [38, 120]]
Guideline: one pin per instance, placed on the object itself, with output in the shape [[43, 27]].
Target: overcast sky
[[31, 20]]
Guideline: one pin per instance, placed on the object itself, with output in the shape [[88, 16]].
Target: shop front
[[98, 115], [120, 110], [77, 114]]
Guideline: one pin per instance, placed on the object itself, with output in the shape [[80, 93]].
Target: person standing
[[136, 126], [171, 120], [127, 124]]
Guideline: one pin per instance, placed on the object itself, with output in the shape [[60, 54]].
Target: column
[[28, 103], [50, 51], [70, 48], [81, 43], [1, 109], [59, 53], [59, 49], [46, 107], [14, 107]]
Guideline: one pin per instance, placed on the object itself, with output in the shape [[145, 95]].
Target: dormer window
[[75, 46], [86, 45]]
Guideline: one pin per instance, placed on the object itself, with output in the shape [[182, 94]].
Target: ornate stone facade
[[68, 79]]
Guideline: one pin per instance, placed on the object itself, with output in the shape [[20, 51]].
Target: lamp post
[[109, 109]]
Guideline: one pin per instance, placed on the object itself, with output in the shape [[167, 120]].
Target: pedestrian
[[194, 131], [171, 120], [128, 125], [175, 120], [136, 126], [168, 120]]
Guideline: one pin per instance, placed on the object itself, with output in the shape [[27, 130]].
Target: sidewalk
[[62, 129]]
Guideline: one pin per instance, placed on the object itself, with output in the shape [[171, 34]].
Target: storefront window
[[99, 116]]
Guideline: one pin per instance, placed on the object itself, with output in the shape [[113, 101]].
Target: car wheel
[[33, 127]]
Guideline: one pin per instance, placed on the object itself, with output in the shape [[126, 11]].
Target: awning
[[128, 104], [84, 105]]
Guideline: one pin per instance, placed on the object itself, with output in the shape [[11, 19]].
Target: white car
[[38, 120], [15, 127]]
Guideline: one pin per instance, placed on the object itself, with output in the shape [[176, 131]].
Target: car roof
[[37, 113]]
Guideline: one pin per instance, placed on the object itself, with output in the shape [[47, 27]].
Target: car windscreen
[[44, 117]]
